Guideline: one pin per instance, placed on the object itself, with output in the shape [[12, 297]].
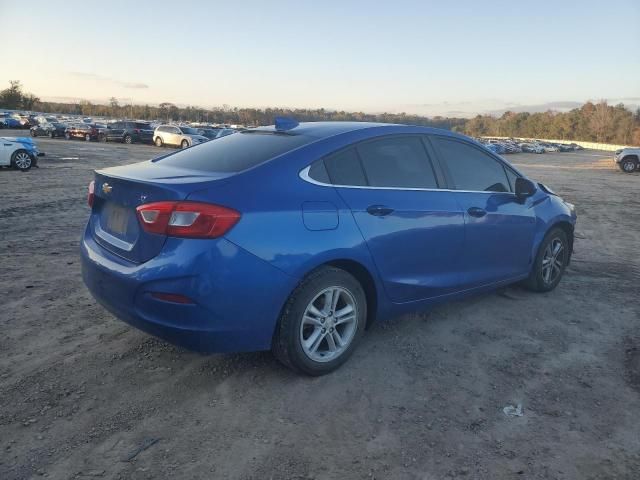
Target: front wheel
[[158, 142], [127, 139], [321, 322], [67, 136], [51, 135], [184, 144], [87, 137], [21, 160], [628, 165], [550, 263]]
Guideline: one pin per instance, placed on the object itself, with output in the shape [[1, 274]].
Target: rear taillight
[[91, 193], [187, 219]]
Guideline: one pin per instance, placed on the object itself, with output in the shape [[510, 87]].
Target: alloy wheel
[[329, 324], [553, 261], [629, 166], [22, 160]]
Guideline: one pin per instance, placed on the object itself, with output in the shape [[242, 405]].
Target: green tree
[[11, 98]]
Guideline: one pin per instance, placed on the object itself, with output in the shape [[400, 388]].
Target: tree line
[[597, 122], [593, 122]]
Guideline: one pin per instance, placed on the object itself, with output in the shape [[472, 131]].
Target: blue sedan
[[296, 237]]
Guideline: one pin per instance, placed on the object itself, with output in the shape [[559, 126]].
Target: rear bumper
[[237, 296]]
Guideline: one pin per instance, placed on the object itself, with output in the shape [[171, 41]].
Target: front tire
[[628, 165], [321, 323], [158, 142], [67, 136], [87, 137], [550, 263], [127, 139], [21, 160], [51, 135], [184, 144]]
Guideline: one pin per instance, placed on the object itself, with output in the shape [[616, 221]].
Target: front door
[[499, 229]]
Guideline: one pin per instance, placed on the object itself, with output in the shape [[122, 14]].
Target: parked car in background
[[177, 136], [126, 131], [627, 159], [18, 152], [365, 222], [48, 127], [213, 133], [86, 131], [8, 121], [531, 148]]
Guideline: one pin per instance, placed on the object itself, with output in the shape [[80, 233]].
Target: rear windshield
[[235, 153], [188, 130], [143, 126]]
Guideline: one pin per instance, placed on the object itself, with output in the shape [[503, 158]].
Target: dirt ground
[[83, 395]]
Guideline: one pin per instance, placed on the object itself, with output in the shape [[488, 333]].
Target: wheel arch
[[355, 268]]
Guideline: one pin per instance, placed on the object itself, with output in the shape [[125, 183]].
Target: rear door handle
[[477, 212], [379, 210]]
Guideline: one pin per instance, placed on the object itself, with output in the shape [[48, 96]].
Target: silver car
[[177, 136]]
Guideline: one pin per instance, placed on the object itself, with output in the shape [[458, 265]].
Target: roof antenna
[[284, 124]]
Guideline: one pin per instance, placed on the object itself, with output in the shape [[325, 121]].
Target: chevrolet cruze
[[296, 237]]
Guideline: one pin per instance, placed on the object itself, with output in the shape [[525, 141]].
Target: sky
[[455, 58]]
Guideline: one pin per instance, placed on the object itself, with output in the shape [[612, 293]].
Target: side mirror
[[524, 188]]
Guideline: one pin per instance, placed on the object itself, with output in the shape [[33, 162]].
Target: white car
[[628, 159], [18, 152], [177, 136]]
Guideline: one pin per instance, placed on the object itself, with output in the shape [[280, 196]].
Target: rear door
[[499, 229], [414, 230]]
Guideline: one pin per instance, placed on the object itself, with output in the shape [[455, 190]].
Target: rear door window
[[238, 152], [470, 168], [399, 162]]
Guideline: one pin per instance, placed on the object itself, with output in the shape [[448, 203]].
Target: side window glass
[[400, 162], [318, 172], [470, 168], [344, 168]]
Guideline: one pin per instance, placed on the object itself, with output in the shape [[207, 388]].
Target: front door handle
[[379, 210], [477, 212]]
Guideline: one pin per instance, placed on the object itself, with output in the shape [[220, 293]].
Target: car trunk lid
[[118, 191]]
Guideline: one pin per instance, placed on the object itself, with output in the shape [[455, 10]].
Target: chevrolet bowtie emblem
[[106, 188]]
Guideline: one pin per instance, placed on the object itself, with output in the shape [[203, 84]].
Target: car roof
[[330, 129]]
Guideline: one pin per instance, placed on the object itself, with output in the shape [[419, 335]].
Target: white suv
[[628, 159], [177, 136]]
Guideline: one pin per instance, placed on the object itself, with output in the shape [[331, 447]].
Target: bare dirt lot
[[83, 395]]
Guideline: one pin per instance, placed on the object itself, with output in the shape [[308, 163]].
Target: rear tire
[[21, 160], [33, 133], [87, 137], [127, 139], [312, 336], [158, 142], [629, 164], [184, 144], [550, 263], [67, 135], [51, 135]]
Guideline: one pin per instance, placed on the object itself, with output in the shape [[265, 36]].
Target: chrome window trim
[[304, 175]]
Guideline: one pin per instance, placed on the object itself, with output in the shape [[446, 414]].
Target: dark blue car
[[295, 238]]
